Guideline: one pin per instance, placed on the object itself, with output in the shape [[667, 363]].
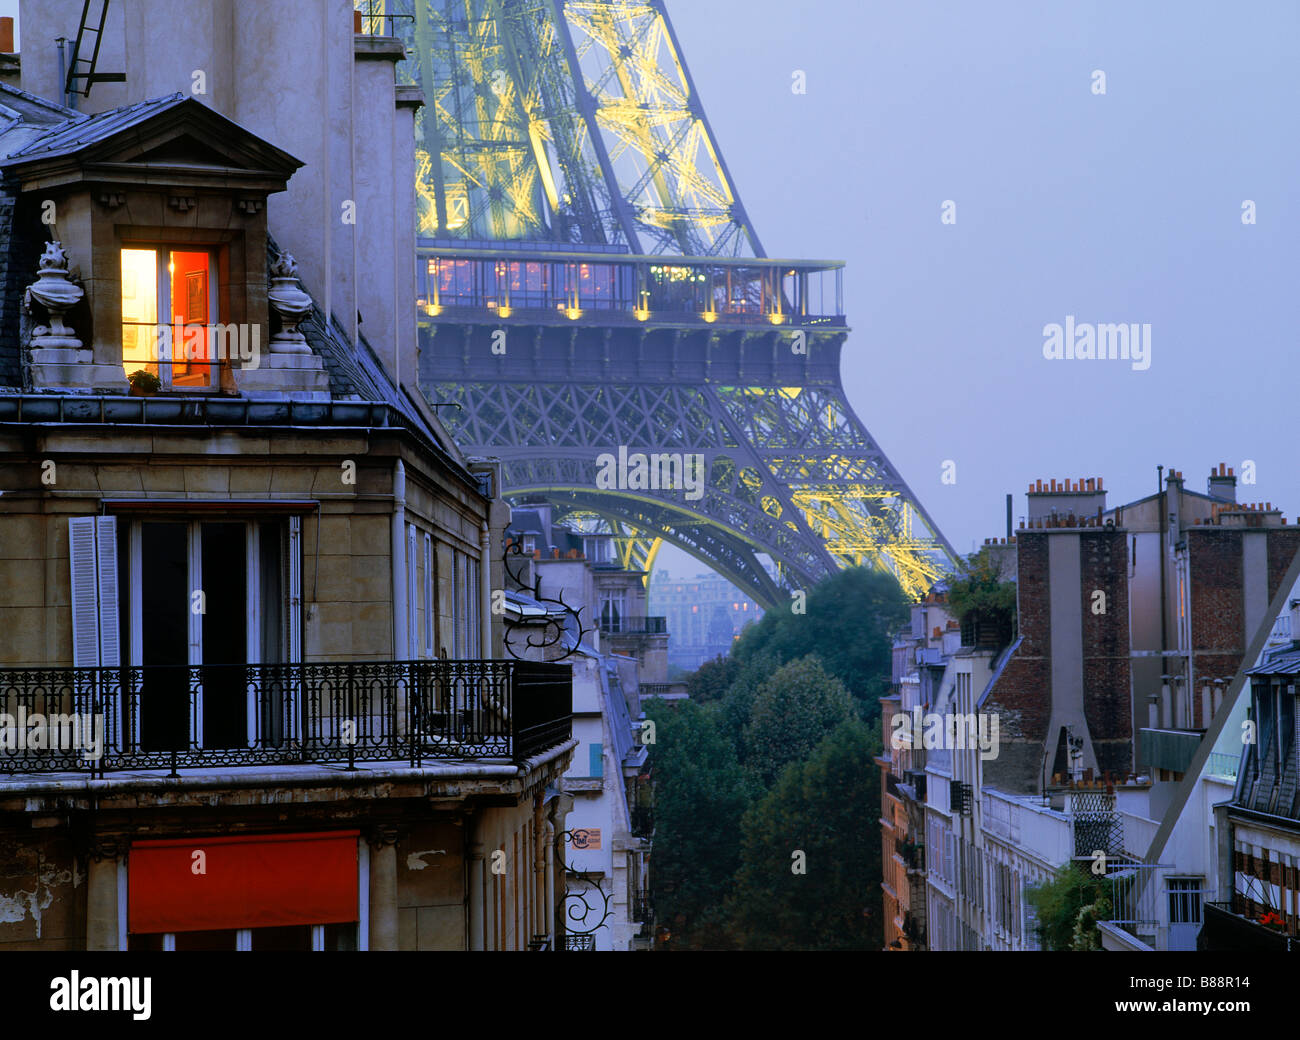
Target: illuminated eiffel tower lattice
[[589, 280]]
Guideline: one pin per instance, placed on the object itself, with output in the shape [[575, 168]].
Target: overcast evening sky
[[1125, 207]]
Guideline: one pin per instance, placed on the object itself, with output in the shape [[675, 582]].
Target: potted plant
[[144, 384], [1273, 920]]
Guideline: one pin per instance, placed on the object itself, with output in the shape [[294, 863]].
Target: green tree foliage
[[849, 623], [700, 795], [824, 808], [1068, 907], [792, 712], [979, 594], [712, 679]]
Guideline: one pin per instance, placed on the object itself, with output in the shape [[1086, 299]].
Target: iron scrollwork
[[585, 901], [552, 632]]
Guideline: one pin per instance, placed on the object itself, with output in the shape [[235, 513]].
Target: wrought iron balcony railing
[[156, 717], [912, 853], [642, 911], [636, 626]]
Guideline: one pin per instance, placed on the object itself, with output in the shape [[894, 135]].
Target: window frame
[[162, 292]]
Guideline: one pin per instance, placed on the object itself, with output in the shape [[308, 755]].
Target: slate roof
[[81, 130], [33, 128]]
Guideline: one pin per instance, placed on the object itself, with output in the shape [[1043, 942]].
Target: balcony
[[635, 626], [1170, 749], [158, 717], [642, 911], [912, 854], [545, 282], [1226, 930]]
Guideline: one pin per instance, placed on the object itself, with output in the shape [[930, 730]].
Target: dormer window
[[180, 348]]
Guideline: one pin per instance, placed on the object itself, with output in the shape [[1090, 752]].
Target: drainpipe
[[1164, 548], [63, 71], [485, 592], [399, 562]]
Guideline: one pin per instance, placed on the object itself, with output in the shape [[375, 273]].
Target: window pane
[[341, 937], [223, 939], [289, 938], [189, 315], [139, 310]]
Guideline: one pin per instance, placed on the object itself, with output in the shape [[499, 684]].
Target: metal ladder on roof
[[82, 68]]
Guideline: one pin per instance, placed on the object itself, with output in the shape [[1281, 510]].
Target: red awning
[[250, 882]]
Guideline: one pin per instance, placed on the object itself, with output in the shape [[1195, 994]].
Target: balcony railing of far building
[[634, 626], [170, 717]]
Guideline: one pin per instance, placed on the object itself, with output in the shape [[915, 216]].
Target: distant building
[[1131, 623], [705, 615], [567, 599]]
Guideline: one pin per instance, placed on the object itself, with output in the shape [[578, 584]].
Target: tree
[[849, 623], [983, 604], [1068, 907], [711, 680], [700, 795], [792, 712], [820, 808]]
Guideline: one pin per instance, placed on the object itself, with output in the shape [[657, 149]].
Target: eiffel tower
[[590, 281]]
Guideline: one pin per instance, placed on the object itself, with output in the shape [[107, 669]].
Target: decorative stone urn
[[288, 369], [59, 360], [58, 295], [292, 305]]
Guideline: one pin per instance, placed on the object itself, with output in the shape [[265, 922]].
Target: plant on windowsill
[[144, 384], [1273, 920]]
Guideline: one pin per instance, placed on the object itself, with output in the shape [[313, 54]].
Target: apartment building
[[558, 608], [251, 691], [1131, 623]]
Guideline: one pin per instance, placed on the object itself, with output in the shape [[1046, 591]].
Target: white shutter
[[85, 595], [92, 555], [109, 639]]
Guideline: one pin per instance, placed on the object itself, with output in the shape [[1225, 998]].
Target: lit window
[[168, 312]]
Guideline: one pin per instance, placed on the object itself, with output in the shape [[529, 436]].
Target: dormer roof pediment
[[173, 140]]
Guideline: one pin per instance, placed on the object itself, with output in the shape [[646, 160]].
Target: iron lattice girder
[[567, 120], [791, 470]]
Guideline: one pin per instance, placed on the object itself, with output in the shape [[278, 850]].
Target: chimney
[[1068, 498], [1223, 485]]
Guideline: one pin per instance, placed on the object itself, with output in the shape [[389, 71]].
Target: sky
[[1122, 207]]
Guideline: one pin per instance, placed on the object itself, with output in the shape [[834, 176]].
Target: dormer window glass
[[181, 286]]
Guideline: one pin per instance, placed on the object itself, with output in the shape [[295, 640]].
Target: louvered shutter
[[85, 593], [106, 543], [92, 554]]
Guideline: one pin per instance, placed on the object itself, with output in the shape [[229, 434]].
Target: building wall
[[347, 590]]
